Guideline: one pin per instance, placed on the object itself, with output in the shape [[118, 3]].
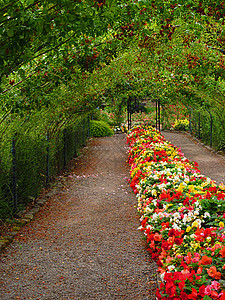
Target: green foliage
[[213, 205], [100, 129]]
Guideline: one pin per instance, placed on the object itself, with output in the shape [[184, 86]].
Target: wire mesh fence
[[31, 157], [208, 125]]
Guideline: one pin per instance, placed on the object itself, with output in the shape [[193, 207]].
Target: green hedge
[[100, 129]]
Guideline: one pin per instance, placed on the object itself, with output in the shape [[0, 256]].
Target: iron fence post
[[83, 132], [129, 113], [14, 179], [190, 127], [159, 114], [64, 148], [194, 121], [88, 126], [211, 126], [75, 144], [199, 125], [162, 117], [47, 160]]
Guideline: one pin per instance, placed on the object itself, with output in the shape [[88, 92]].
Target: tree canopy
[[87, 51]]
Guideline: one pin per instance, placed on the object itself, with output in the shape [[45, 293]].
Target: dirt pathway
[[210, 164], [84, 242]]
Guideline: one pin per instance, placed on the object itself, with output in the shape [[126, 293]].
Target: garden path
[[84, 242], [210, 163]]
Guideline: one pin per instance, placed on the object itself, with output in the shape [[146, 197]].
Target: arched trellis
[[158, 115]]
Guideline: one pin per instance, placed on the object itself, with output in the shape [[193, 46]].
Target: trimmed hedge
[[100, 129]]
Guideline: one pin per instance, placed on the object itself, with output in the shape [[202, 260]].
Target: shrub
[[100, 129]]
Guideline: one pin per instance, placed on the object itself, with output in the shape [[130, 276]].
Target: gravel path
[[84, 242], [210, 163]]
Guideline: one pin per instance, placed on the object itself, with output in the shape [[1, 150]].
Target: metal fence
[[208, 127], [29, 162]]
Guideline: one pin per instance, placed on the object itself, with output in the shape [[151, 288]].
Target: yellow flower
[[221, 224], [191, 188], [194, 224], [222, 186], [181, 187], [188, 229], [154, 192]]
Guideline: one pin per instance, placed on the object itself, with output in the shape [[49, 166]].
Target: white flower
[[176, 215], [196, 212], [170, 268], [154, 216], [162, 276], [176, 227], [199, 222], [148, 210], [154, 202], [206, 214]]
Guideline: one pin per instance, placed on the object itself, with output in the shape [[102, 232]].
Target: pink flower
[[208, 290], [215, 285]]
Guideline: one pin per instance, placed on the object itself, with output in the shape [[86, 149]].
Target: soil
[[84, 242]]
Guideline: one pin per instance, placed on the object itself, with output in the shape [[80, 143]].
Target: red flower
[[214, 294], [183, 296], [222, 297], [188, 258], [202, 291], [165, 245], [178, 241], [194, 294], [205, 260]]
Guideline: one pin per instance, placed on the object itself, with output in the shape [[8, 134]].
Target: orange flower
[[222, 252], [157, 237], [212, 271], [205, 260]]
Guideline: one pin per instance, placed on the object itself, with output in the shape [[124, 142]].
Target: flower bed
[[182, 217]]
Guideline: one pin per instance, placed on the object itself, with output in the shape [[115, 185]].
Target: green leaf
[[21, 72], [206, 298], [10, 32], [27, 2]]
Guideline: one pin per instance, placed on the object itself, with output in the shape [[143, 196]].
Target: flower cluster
[[182, 217], [180, 125]]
